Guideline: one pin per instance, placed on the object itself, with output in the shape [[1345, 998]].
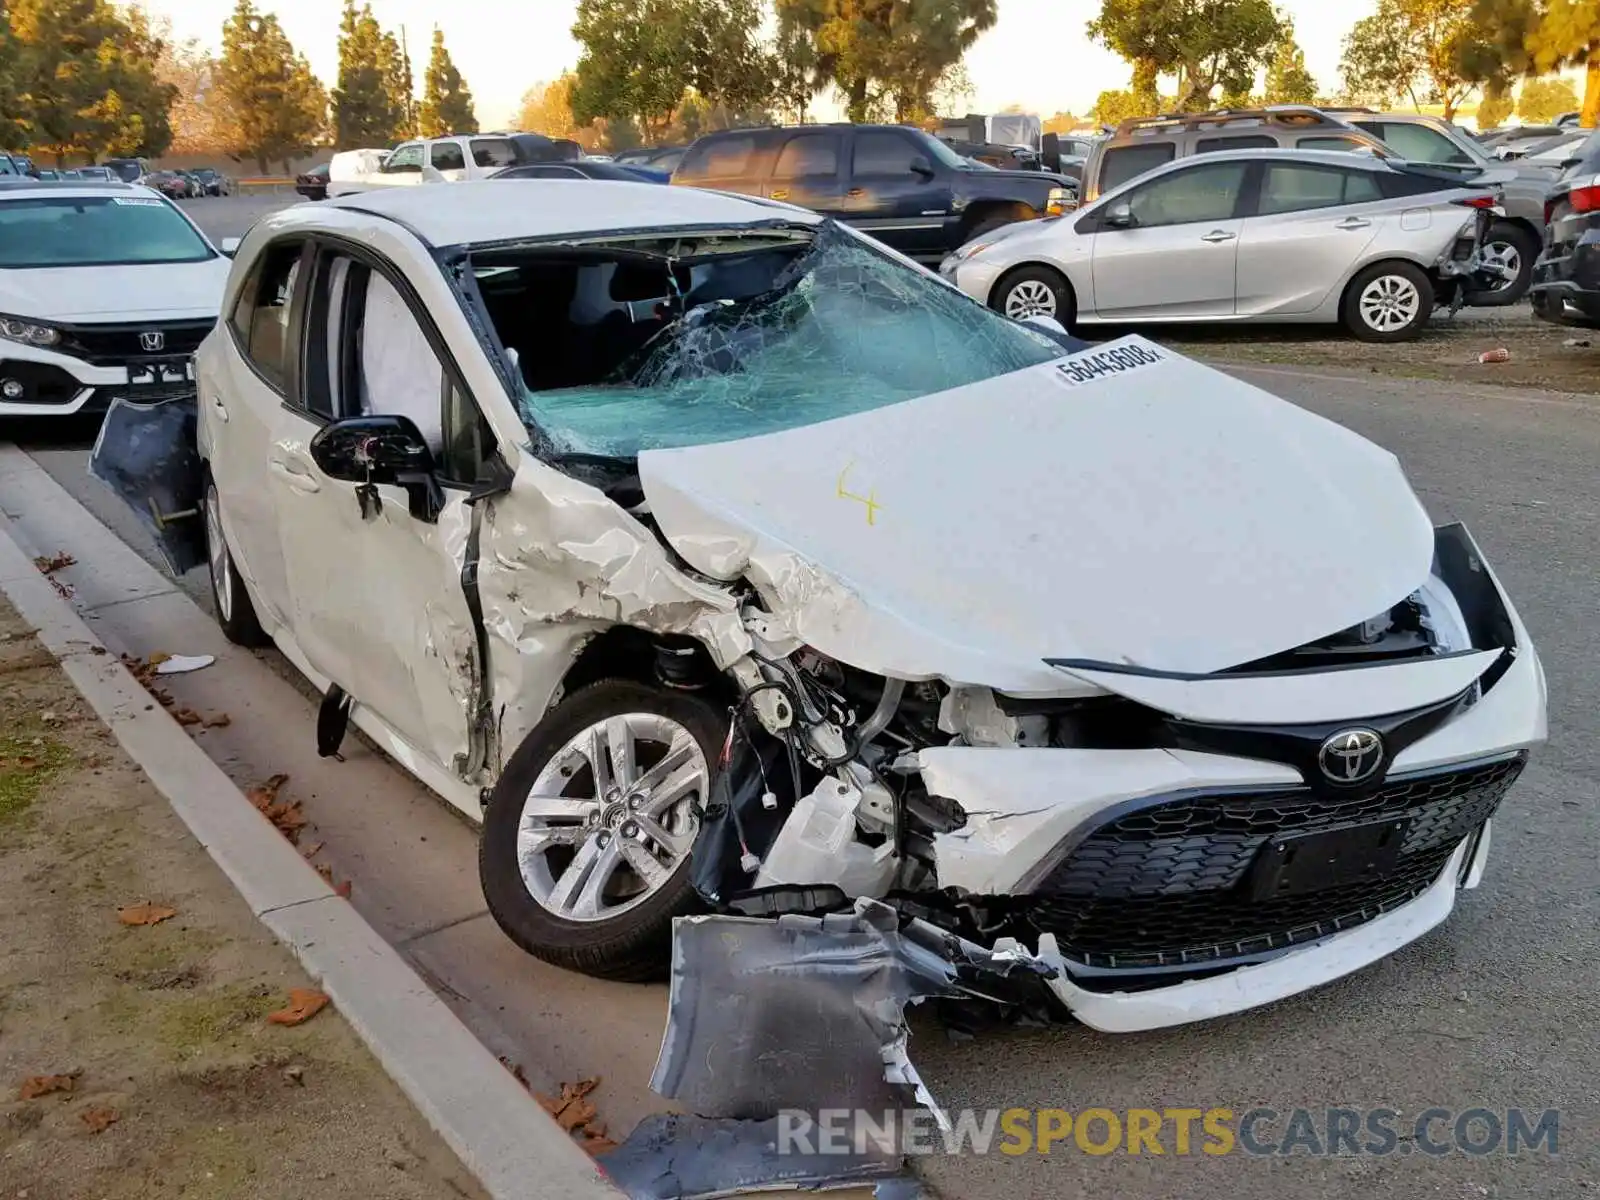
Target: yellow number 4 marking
[[870, 499]]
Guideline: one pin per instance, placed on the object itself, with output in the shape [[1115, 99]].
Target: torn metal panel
[[900, 539], [803, 1013], [559, 563], [1019, 802], [146, 454], [669, 1156]]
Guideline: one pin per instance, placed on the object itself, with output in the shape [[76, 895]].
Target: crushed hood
[[1123, 504], [150, 291]]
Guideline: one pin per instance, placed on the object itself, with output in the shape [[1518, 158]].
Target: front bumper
[[62, 385]]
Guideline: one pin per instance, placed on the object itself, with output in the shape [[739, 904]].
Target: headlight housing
[[29, 333]]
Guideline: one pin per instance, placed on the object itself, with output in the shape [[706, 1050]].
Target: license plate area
[[162, 370], [1297, 863]]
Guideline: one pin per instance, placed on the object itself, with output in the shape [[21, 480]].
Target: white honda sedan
[[715, 556], [106, 289]]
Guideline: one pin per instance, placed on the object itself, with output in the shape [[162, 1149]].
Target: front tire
[[1034, 291], [1388, 302], [585, 852], [229, 598], [1513, 246]]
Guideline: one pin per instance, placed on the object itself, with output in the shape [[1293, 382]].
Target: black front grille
[[113, 345], [1168, 884]]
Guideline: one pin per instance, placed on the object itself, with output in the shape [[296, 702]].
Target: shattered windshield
[[757, 342]]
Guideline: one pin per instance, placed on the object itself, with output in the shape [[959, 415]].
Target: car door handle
[[1353, 223], [1218, 235], [779, 194], [295, 476], [856, 193]]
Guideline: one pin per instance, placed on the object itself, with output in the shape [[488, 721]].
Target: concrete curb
[[491, 1122]]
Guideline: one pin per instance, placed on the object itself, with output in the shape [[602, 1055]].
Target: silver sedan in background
[[1250, 235]]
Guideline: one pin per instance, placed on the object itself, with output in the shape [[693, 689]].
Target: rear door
[[729, 162], [449, 158], [1310, 226], [807, 172], [890, 201], [1177, 260]]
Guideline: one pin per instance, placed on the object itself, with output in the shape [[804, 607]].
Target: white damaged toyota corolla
[[731, 567]]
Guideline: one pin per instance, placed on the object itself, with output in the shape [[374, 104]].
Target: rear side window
[[720, 158], [1343, 145], [1299, 188], [1122, 163], [1240, 141], [260, 317], [447, 156], [492, 152], [808, 155], [882, 152]]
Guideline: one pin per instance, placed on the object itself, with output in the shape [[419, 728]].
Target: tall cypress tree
[[364, 112], [446, 99]]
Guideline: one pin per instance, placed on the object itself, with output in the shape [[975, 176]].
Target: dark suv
[[903, 186], [1566, 279]]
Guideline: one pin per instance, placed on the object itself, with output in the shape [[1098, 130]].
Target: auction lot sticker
[[1101, 364]]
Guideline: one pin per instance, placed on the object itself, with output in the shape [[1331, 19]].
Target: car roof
[[496, 210]]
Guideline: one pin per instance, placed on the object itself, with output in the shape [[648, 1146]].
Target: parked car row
[[176, 184]]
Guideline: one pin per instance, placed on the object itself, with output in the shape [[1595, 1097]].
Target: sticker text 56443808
[[1098, 364]]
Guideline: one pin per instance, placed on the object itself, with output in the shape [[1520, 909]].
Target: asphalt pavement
[[1494, 1010]]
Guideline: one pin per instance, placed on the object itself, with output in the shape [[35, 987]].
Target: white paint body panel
[[1018, 519]]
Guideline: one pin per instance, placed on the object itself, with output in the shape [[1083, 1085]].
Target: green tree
[[1115, 106], [275, 107], [1494, 108], [631, 67], [1413, 49], [796, 65], [13, 129], [1541, 101], [1288, 81], [372, 102], [446, 99], [888, 54], [726, 62], [84, 79], [1533, 38], [1206, 44]]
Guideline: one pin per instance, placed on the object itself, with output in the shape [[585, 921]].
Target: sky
[[1037, 55]]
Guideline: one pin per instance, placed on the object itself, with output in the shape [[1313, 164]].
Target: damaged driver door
[[375, 559]]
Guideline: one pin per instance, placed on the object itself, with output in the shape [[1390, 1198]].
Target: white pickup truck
[[443, 160]]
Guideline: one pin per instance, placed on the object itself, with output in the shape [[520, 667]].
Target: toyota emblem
[[1351, 756], [152, 340]]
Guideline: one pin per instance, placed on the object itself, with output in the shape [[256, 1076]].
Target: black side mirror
[[368, 451], [921, 166]]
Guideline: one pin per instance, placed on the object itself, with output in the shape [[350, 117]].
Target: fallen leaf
[[311, 851], [186, 716], [55, 562], [304, 1003], [515, 1069], [596, 1143], [99, 1119], [262, 795], [219, 721], [145, 914], [43, 1085], [570, 1109]]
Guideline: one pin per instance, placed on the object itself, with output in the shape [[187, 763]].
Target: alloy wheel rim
[[1030, 298], [217, 558], [1389, 303], [1504, 254], [612, 816]]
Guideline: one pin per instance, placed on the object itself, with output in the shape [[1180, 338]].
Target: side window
[[446, 156], [717, 158], [1123, 163], [260, 317], [396, 372], [1239, 141], [492, 152], [406, 158], [808, 155], [1202, 193], [1299, 188], [468, 440], [329, 384], [883, 152], [1336, 142], [1418, 142]]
